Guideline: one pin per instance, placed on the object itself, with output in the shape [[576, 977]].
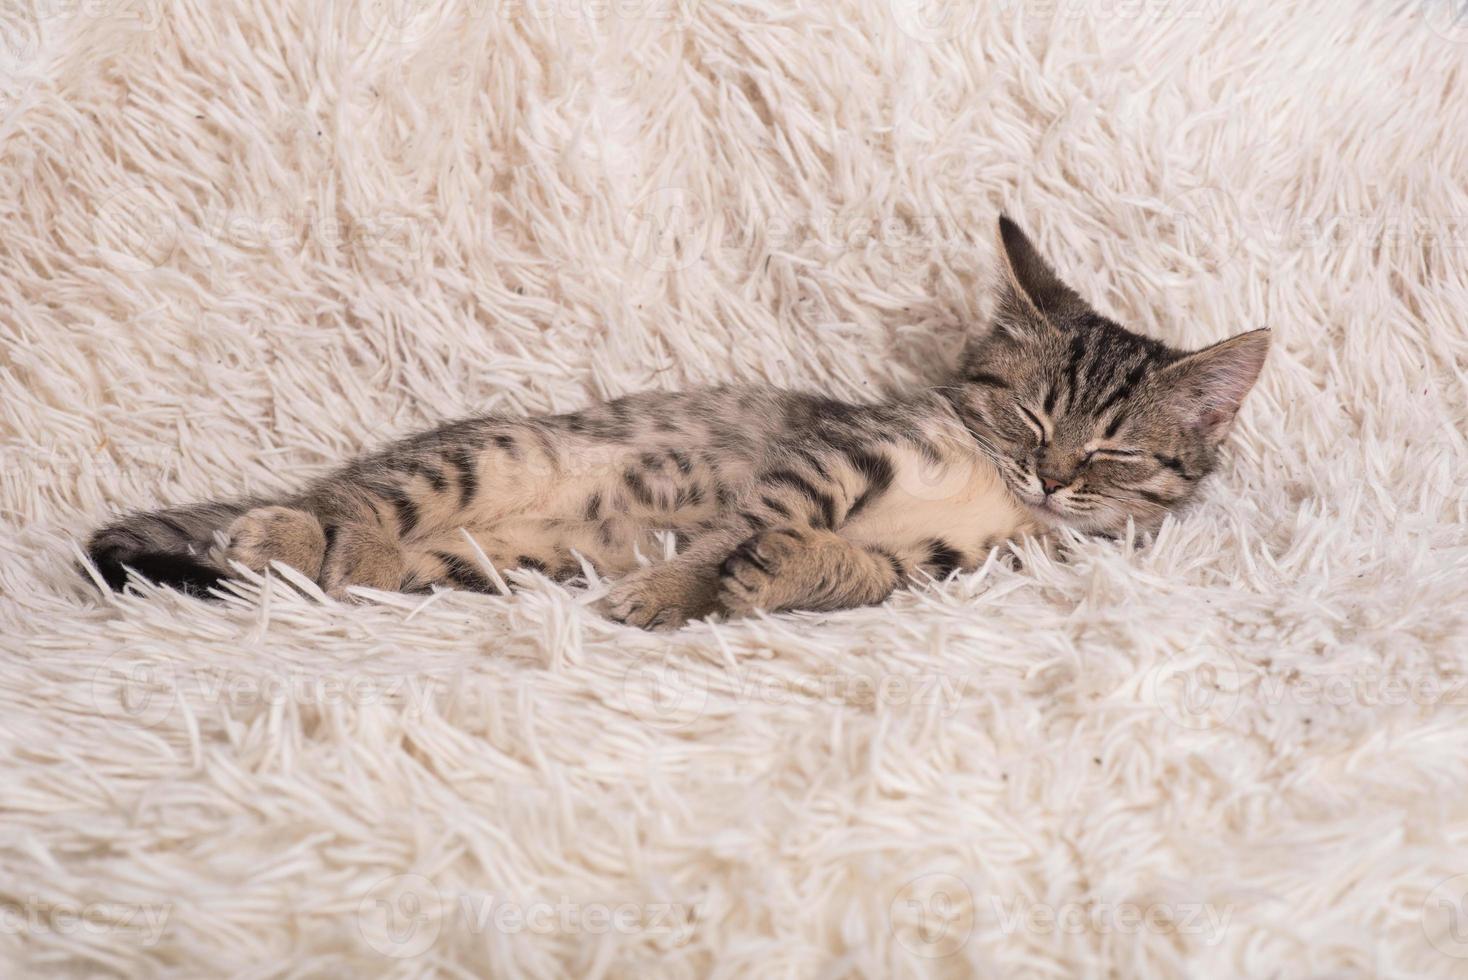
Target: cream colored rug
[[240, 241]]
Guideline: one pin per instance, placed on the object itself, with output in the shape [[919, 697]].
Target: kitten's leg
[[352, 540], [805, 568], [551, 546], [357, 551], [663, 594]]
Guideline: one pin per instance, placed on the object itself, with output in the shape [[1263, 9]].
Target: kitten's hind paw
[[283, 534]]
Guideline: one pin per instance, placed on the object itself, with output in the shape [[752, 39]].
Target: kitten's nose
[[1050, 484]]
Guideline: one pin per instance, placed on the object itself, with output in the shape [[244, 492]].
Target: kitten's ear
[[1207, 387], [1030, 292]]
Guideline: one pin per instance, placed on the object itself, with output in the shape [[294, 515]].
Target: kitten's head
[[1089, 423]]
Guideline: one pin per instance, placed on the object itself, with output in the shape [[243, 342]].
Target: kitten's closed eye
[[1034, 422]]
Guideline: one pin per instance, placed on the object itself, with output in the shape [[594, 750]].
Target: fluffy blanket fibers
[[241, 239]]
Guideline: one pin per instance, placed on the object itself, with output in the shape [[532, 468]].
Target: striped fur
[[777, 499]]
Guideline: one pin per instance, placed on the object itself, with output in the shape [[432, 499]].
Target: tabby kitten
[[777, 499]]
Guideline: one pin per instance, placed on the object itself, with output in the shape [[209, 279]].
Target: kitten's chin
[[1050, 516], [1045, 512]]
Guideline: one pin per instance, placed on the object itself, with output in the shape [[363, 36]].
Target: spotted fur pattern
[[775, 499]]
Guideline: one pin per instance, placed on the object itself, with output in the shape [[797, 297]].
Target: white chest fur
[[960, 500]]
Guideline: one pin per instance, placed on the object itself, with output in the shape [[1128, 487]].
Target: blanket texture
[[243, 239]]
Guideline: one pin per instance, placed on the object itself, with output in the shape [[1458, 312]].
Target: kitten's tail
[[170, 547]]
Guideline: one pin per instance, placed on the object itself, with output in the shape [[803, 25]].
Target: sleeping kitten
[[778, 500]]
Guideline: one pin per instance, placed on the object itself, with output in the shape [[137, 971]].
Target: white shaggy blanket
[[241, 239]]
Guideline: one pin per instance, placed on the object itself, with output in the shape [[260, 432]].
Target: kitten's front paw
[[658, 597], [748, 579]]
